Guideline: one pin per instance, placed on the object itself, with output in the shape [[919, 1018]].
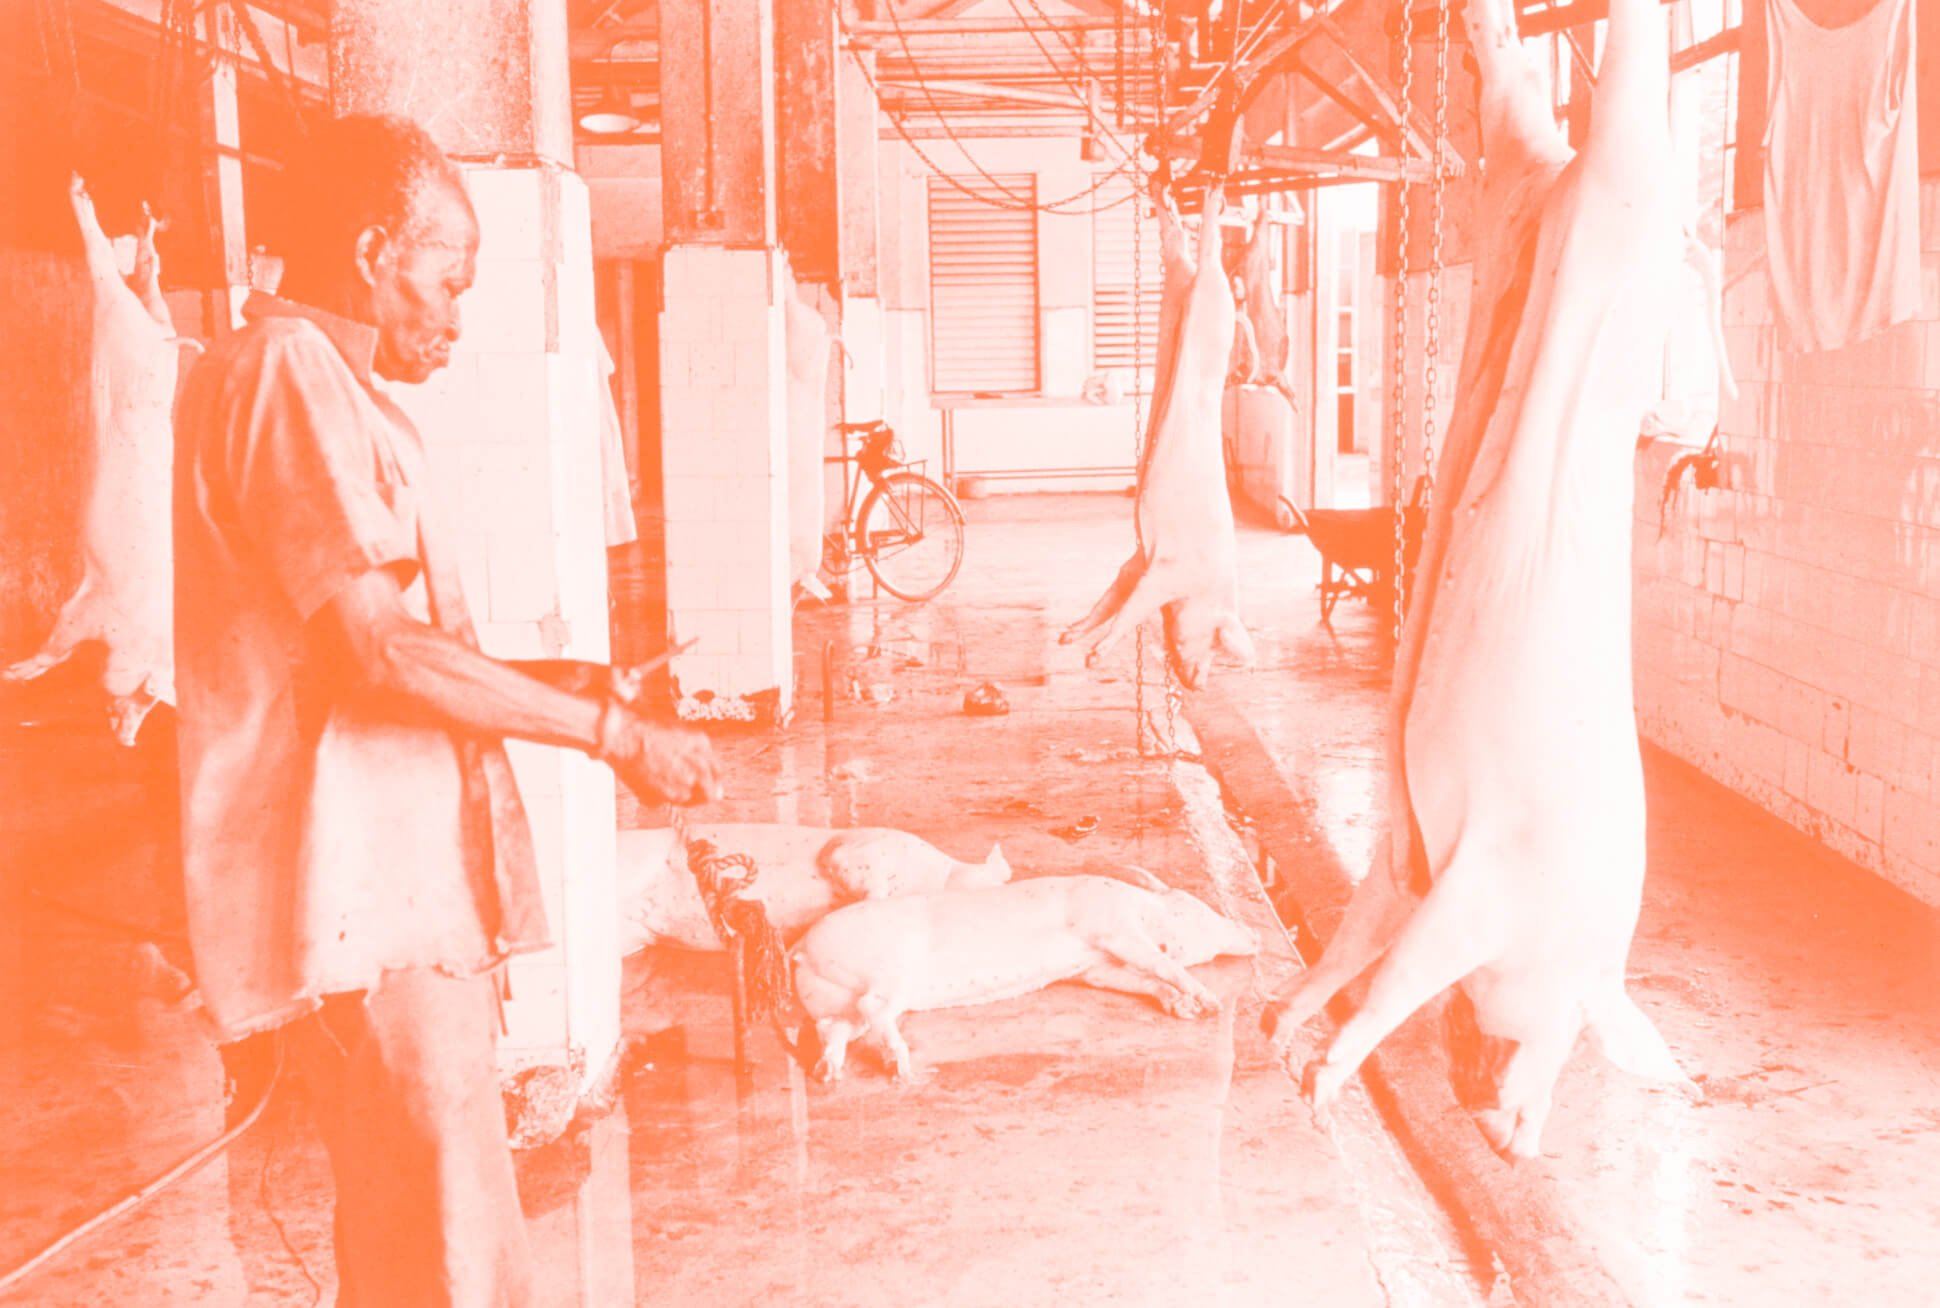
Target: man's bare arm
[[383, 647]]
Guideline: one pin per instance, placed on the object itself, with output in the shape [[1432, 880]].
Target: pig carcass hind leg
[[1454, 932], [1630, 1041], [1374, 915], [1109, 603], [147, 280]]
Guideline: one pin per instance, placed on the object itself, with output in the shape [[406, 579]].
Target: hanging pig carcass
[[1272, 346], [1515, 862], [125, 599], [1186, 565]]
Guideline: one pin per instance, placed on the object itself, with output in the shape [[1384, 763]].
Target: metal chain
[[1398, 449], [1140, 415], [1431, 347]]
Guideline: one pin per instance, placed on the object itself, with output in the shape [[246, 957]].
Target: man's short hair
[[348, 174]]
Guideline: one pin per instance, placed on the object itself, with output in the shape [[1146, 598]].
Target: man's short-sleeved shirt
[[328, 835]]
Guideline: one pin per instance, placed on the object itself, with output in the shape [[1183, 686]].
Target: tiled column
[[723, 362], [724, 456], [513, 427]]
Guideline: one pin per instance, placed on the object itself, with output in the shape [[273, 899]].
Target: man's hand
[[659, 764]]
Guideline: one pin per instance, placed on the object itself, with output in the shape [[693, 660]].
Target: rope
[[742, 923]]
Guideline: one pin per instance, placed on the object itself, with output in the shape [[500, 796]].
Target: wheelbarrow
[[1357, 547]]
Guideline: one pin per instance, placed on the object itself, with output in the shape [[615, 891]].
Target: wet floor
[[1800, 992], [1073, 1146]]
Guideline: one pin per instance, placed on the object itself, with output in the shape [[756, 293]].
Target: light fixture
[[612, 113]]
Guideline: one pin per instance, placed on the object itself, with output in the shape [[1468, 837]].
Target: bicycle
[[908, 530]]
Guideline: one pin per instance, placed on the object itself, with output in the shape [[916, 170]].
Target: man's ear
[[371, 244]]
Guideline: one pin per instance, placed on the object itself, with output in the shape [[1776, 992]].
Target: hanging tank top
[[1842, 194]]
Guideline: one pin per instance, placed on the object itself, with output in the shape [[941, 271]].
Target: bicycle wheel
[[911, 536]]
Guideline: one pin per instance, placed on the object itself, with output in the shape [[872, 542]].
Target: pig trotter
[[1321, 1082], [1109, 603], [882, 1025], [834, 1036]]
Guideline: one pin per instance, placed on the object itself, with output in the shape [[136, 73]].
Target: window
[[1127, 276], [983, 286]]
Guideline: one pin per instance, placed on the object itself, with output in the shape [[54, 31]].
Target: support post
[[723, 356]]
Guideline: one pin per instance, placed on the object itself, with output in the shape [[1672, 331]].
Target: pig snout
[[1504, 1084]]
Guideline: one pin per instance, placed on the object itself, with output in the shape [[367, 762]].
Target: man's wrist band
[[606, 745]]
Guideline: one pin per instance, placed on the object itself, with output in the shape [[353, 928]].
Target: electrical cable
[[193, 1163], [1079, 91], [1009, 199]]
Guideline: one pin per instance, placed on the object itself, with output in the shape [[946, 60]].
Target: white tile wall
[[518, 427], [1788, 626], [724, 453]]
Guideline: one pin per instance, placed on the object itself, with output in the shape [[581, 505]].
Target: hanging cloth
[[1842, 200], [616, 489]]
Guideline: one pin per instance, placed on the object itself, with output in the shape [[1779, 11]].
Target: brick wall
[[1788, 623]]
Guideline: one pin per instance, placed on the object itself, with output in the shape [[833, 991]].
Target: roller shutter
[[1127, 275], [983, 288]]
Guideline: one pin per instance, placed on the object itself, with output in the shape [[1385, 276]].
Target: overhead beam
[[1275, 49], [1706, 50], [983, 91], [1307, 160], [923, 27], [1340, 163], [1357, 111], [1403, 123]]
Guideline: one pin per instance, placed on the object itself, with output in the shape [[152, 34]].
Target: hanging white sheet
[[1842, 196]]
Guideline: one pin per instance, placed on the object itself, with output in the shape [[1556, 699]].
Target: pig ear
[[1233, 638], [1626, 1037], [1144, 878]]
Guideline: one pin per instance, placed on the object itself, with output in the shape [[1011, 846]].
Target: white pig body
[[125, 599], [1187, 564], [1515, 865], [803, 872], [862, 967]]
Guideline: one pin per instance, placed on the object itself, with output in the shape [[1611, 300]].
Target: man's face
[[416, 277]]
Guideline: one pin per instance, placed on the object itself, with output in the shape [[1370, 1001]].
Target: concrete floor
[[1069, 1147], [1074, 1146], [1800, 992]]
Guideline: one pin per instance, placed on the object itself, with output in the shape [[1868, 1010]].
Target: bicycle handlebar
[[874, 424]]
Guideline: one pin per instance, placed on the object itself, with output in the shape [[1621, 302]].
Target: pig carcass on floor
[[862, 967], [126, 598], [1515, 861], [1186, 565], [801, 873]]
